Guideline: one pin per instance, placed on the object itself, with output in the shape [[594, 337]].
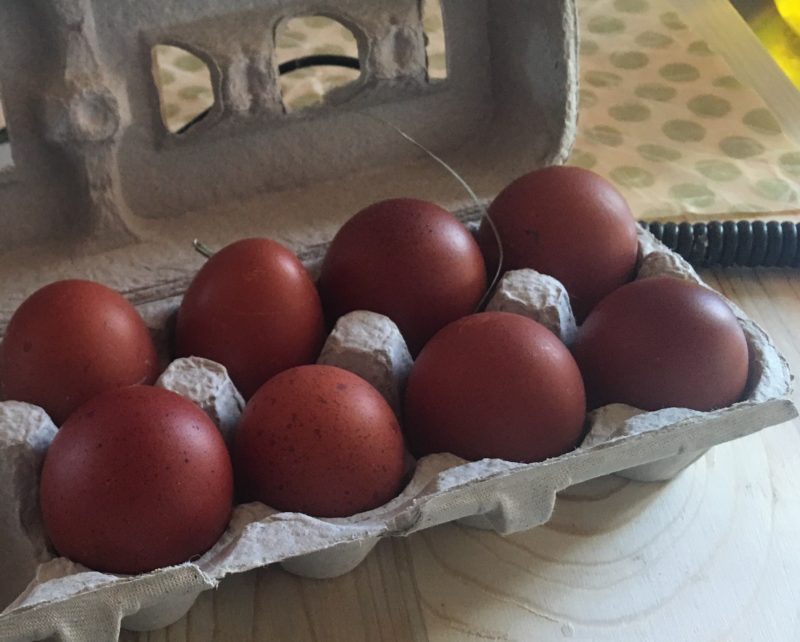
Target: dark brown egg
[[70, 341], [136, 479], [407, 259], [662, 343], [495, 385], [569, 223], [254, 309], [319, 440]]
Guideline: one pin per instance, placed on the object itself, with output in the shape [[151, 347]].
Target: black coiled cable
[[745, 243]]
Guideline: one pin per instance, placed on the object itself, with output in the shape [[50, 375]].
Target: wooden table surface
[[712, 555]]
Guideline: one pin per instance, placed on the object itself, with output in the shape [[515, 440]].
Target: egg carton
[[75, 603], [96, 149]]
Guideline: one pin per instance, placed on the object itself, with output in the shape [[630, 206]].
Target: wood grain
[[711, 555]]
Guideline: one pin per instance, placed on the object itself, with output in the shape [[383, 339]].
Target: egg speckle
[[569, 223], [136, 479], [495, 385], [70, 341], [253, 308], [662, 343], [319, 440], [407, 259]]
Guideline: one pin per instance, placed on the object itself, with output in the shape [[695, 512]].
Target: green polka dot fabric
[[300, 37], [184, 86], [664, 118], [661, 115]]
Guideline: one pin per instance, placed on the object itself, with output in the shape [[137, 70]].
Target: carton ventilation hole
[[183, 81], [6, 161], [315, 55], [435, 45]]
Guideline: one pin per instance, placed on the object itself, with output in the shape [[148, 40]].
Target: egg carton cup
[[74, 603]]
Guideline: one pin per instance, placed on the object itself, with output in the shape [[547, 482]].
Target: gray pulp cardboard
[[99, 189]]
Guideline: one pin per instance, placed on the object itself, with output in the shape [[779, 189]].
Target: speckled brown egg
[[70, 341], [408, 259], [319, 440], [136, 479], [663, 343], [495, 385], [569, 223], [253, 308]]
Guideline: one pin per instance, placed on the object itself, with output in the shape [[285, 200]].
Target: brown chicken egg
[[569, 223], [407, 259], [253, 308], [136, 479], [70, 341], [661, 343], [319, 440], [495, 385]]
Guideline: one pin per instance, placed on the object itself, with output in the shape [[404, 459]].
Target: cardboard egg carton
[[99, 189], [76, 603]]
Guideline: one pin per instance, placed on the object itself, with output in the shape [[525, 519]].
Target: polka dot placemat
[[661, 114], [663, 117], [184, 86], [301, 37]]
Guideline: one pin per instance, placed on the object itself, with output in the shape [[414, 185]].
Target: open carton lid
[[100, 189]]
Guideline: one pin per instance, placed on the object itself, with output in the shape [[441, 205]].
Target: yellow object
[[790, 12], [778, 28]]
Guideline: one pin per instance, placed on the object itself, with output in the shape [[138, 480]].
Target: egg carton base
[[503, 496], [162, 614], [662, 470]]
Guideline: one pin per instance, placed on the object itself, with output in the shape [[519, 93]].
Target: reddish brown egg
[[495, 385], [319, 440], [569, 223], [254, 309], [662, 343], [71, 340], [407, 259], [136, 479]]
